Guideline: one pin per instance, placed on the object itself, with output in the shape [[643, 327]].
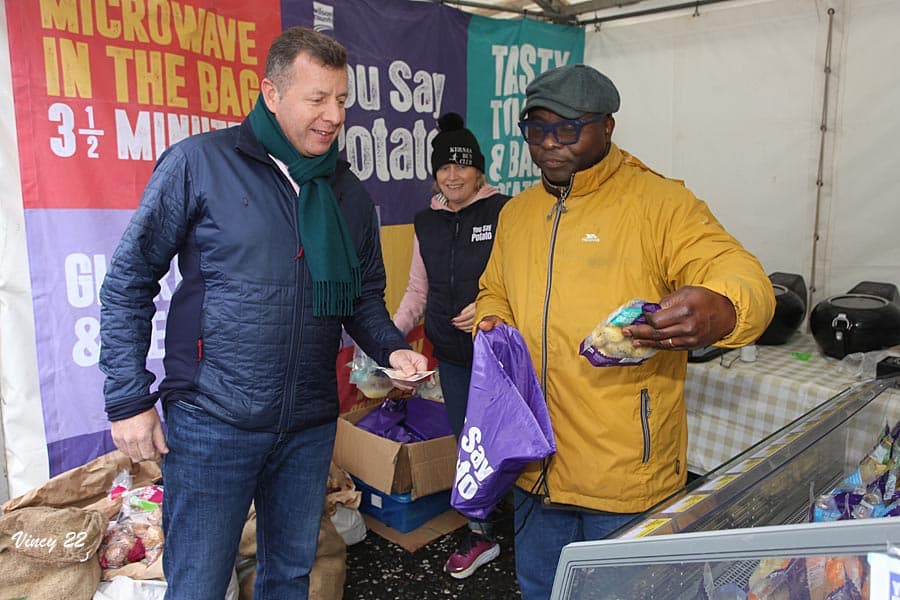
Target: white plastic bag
[[125, 588], [864, 365], [365, 375], [350, 524]]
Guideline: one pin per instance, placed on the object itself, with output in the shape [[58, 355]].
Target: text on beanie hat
[[455, 144]]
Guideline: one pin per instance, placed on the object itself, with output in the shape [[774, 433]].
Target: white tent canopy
[[732, 102], [729, 97]]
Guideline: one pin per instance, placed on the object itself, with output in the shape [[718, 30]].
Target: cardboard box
[[419, 469], [400, 511]]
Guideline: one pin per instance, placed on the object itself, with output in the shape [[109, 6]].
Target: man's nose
[[549, 141], [334, 112]]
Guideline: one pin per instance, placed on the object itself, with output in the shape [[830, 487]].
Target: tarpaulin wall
[[730, 98], [100, 88]]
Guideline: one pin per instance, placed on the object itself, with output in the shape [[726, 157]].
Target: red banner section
[[102, 87]]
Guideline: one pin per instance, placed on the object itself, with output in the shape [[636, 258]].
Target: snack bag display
[[776, 579], [607, 346], [870, 491]]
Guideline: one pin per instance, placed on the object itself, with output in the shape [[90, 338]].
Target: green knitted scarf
[[324, 238]]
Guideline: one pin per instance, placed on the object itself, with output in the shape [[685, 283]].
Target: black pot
[[849, 323], [789, 312]]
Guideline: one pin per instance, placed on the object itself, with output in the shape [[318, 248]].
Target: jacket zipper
[[558, 209], [453, 258], [645, 423], [287, 394], [453, 244]]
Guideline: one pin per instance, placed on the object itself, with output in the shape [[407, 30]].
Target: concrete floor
[[379, 569]]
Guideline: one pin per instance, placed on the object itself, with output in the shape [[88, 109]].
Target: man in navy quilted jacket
[[278, 246]]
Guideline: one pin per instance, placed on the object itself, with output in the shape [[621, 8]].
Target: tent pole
[[489, 7], [823, 130], [696, 4]]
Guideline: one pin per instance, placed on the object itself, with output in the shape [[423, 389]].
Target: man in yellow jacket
[[601, 230]]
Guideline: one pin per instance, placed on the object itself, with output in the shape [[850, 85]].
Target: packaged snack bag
[[607, 346], [367, 377]]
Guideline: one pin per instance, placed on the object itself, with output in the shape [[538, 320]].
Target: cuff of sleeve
[[129, 407], [746, 328], [385, 358]]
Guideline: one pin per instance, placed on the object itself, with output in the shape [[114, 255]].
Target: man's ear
[[610, 125], [269, 93]]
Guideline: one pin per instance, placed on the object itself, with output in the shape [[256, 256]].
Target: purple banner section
[[68, 253], [407, 67], [75, 451]]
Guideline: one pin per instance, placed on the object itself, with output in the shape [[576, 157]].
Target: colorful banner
[[102, 87], [503, 58], [475, 66], [100, 90], [407, 63]]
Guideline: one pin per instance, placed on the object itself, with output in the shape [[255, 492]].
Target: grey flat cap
[[570, 91]]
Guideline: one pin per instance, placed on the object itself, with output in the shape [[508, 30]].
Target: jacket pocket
[[188, 407], [645, 424]]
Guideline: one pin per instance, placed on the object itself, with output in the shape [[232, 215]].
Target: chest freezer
[[722, 527]]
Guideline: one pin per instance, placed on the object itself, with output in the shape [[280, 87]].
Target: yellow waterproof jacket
[[626, 232]]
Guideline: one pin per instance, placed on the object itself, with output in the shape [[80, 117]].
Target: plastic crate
[[400, 511]]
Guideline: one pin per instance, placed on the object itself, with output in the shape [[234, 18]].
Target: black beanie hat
[[455, 144]]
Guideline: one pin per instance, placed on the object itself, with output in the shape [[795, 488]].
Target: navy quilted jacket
[[241, 340]]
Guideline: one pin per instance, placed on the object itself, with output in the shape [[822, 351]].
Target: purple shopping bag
[[427, 419], [384, 419], [507, 424], [407, 420]]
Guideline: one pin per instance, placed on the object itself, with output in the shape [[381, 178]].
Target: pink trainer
[[474, 551]]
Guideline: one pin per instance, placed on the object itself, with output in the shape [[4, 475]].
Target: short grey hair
[[299, 40]]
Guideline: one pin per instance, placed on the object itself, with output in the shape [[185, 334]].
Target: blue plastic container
[[400, 511]]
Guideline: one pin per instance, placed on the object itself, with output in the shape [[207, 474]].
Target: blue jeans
[[455, 388], [541, 534], [211, 474]]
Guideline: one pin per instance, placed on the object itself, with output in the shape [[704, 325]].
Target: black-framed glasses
[[565, 132]]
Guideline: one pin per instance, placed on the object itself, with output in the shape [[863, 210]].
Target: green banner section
[[503, 57]]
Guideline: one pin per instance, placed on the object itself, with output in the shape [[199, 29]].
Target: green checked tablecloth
[[732, 404]]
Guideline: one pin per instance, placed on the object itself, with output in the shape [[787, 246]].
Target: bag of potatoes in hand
[[607, 346]]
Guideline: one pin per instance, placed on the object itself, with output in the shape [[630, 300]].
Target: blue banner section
[[407, 66]]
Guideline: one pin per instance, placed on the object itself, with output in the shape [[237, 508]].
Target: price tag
[[645, 528], [718, 483], [745, 465], [884, 576], [685, 503]]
